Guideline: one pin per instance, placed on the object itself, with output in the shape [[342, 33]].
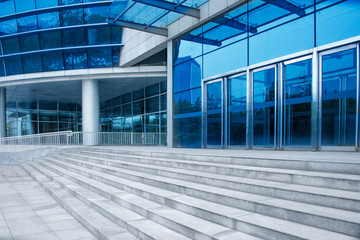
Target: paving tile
[[40, 236], [73, 234], [64, 225], [5, 234]]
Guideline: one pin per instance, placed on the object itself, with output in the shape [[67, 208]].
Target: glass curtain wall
[[140, 111], [281, 102], [42, 41]]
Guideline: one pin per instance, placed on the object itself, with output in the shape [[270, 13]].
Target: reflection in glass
[[339, 98], [75, 59], [264, 107], [26, 24], [95, 14], [152, 123], [100, 57], [11, 45], [187, 75], [50, 40], [7, 7], [13, 65], [32, 63], [47, 3], [29, 43], [138, 108], [72, 17], [24, 5], [297, 103], [152, 104], [237, 110], [97, 36], [48, 20], [73, 37], [214, 113], [53, 61], [7, 27]]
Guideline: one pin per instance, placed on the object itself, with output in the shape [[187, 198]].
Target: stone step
[[315, 163], [307, 194], [97, 224], [193, 227], [320, 179], [331, 219]]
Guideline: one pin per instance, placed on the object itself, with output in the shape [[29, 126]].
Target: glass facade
[[38, 36], [253, 71], [140, 111]]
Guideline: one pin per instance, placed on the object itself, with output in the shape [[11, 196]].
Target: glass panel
[[187, 118], [98, 36], [116, 35], [152, 90], [26, 24], [163, 100], [338, 22], [2, 69], [28, 128], [138, 108], [152, 105], [139, 94], [66, 2], [214, 113], [53, 61], [72, 17], [115, 56], [138, 124], [13, 65], [187, 75], [48, 20], [185, 50], [24, 5], [225, 59], [153, 125], [95, 14], [73, 37], [99, 58], [50, 40], [75, 59], [237, 110], [28, 105], [32, 63], [45, 127], [339, 98], [264, 107], [47, 3], [163, 87], [48, 105], [126, 98], [11, 45], [8, 27], [29, 43], [7, 7], [297, 103]]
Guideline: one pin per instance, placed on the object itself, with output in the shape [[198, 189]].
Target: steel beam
[[235, 24], [287, 6], [193, 12], [202, 40], [138, 26]]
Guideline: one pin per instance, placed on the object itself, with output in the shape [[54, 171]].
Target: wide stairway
[[154, 194]]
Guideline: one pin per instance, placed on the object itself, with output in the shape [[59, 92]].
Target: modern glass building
[[257, 74]]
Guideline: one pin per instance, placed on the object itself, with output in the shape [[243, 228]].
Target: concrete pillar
[[170, 112], [90, 112], [3, 129]]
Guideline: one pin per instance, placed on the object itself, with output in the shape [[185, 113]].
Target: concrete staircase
[[137, 193]]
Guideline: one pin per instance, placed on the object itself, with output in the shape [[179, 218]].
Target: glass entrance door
[[338, 98], [214, 95]]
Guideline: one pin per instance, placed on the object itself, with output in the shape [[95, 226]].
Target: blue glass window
[[26, 24], [138, 108], [2, 70], [66, 2], [187, 75], [152, 105], [29, 43], [46, 4], [116, 34], [152, 90], [95, 14], [116, 56], [7, 7], [73, 37], [232, 57], [13, 65], [75, 59], [338, 22], [32, 63], [48, 20], [11, 45], [98, 36], [52, 61], [185, 50], [24, 5], [99, 57], [163, 102], [139, 94], [50, 40], [8, 27], [72, 17]]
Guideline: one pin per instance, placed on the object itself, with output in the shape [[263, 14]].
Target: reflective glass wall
[[140, 111], [50, 35], [279, 88]]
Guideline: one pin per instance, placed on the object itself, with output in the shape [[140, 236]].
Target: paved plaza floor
[[27, 212]]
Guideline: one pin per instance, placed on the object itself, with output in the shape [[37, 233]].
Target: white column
[[170, 113], [3, 129], [90, 111]]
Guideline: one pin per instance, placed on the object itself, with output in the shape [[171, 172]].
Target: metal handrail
[[69, 138]]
